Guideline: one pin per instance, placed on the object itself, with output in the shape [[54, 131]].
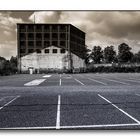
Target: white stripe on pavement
[[137, 94], [9, 102], [116, 81], [58, 113], [46, 76], [77, 126], [79, 82], [129, 80], [97, 81], [60, 82], [35, 82], [134, 119]]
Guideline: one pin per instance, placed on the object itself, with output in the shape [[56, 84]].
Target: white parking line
[[116, 81], [35, 82], [129, 80], [97, 81], [79, 81], [60, 82], [137, 94], [2, 98], [46, 76], [58, 113], [70, 127], [101, 126], [134, 119], [9, 102]]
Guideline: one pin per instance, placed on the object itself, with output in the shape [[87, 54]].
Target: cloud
[[8, 49], [8, 34], [101, 27], [7, 22], [45, 16]]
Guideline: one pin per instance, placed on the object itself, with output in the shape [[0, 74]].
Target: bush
[[107, 69]]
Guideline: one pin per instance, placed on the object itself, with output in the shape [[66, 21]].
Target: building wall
[[77, 62], [45, 61]]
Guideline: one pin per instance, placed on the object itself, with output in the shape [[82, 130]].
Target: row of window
[[45, 51], [40, 28], [39, 36], [40, 43]]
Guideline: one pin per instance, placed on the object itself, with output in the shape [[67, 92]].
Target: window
[[22, 50], [55, 36], [22, 36], [46, 36], [30, 51], [63, 51], [54, 28], [22, 28], [46, 50], [46, 28], [55, 43], [30, 28], [46, 43], [22, 43], [30, 36], [31, 43], [63, 28], [38, 28], [39, 36], [39, 43], [62, 43], [54, 50], [62, 36], [38, 50]]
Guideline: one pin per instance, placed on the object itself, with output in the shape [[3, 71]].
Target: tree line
[[97, 56], [109, 55], [8, 67], [122, 61]]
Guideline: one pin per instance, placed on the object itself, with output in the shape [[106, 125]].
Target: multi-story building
[[46, 47]]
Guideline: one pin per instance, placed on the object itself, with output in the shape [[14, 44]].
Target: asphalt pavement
[[70, 101]]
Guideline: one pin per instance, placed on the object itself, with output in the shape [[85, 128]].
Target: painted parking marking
[[137, 94], [120, 109], [135, 81], [9, 102], [35, 82], [60, 82], [72, 127], [58, 113], [79, 81], [100, 126], [3, 98], [97, 81], [116, 81], [47, 76]]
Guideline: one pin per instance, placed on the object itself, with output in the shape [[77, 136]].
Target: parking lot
[[70, 101]]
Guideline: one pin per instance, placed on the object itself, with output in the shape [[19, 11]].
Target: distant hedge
[[112, 69]]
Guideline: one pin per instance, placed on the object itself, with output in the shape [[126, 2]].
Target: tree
[[13, 64], [124, 53], [2, 62], [136, 58], [97, 54], [109, 54]]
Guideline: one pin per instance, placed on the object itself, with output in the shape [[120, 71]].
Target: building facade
[[50, 47]]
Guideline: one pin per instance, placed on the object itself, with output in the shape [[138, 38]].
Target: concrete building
[[50, 47]]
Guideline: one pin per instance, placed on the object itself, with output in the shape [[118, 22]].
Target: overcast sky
[[102, 28]]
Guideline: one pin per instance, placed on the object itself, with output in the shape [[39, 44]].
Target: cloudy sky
[[102, 27]]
